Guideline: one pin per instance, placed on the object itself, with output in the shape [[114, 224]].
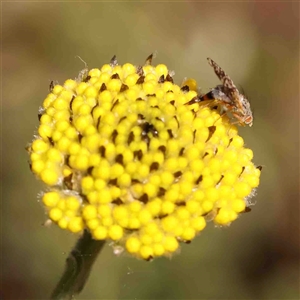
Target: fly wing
[[229, 87], [218, 70]]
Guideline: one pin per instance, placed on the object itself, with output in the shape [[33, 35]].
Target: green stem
[[78, 267]]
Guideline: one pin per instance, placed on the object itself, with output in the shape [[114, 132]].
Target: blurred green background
[[257, 257]]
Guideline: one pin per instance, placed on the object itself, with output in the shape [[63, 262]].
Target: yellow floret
[[73, 203], [45, 131], [129, 69], [133, 245], [90, 92], [242, 189], [70, 84], [238, 205], [55, 214], [89, 212], [60, 104], [191, 83], [57, 89], [87, 183], [158, 250], [100, 233], [188, 234], [223, 216], [92, 224], [104, 210], [146, 252], [169, 223], [161, 70], [114, 85], [63, 223], [145, 216], [115, 232], [198, 223], [63, 144], [49, 100], [54, 155], [49, 176], [76, 224], [146, 239], [154, 207], [50, 199], [105, 196], [170, 244], [37, 166], [40, 146], [94, 73], [99, 184]]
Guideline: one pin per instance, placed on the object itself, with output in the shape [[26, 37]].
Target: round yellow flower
[[126, 157]]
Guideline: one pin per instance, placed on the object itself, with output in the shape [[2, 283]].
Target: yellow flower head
[[125, 157]]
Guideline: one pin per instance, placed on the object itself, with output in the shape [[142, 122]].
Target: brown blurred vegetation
[[256, 43]]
